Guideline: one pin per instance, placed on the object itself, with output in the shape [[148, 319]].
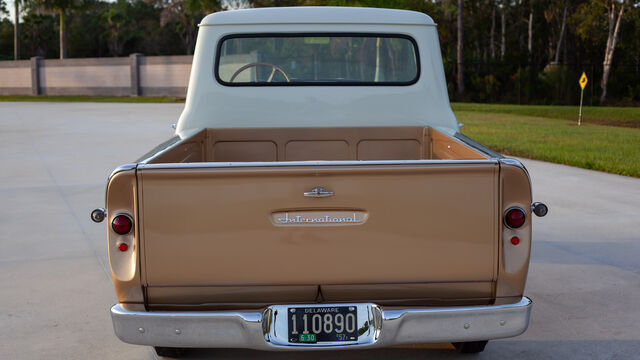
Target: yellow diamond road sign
[[583, 81]]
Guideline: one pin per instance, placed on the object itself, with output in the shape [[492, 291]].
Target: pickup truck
[[318, 194]]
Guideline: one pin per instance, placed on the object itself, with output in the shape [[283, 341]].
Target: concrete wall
[[15, 77], [125, 76], [164, 75]]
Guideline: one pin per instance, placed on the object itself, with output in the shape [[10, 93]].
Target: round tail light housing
[[514, 218], [122, 224]]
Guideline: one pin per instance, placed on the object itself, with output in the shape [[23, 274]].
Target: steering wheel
[[256, 64]]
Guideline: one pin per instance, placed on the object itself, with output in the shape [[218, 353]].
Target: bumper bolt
[[466, 326], [502, 322], [178, 331], [141, 330]]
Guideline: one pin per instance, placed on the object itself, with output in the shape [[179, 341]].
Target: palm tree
[[16, 30], [59, 7]]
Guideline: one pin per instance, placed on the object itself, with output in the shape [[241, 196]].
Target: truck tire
[[472, 347], [169, 352]]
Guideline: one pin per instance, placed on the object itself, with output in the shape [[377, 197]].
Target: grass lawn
[[546, 135], [124, 99], [614, 116]]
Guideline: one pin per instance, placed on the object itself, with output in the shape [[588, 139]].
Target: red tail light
[[514, 218], [122, 224]]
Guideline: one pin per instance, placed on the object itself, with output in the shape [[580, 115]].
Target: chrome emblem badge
[[318, 192], [319, 217]]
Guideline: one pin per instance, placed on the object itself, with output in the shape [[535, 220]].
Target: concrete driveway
[[55, 287]]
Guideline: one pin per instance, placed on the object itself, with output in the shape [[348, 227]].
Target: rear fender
[[125, 265], [513, 265]]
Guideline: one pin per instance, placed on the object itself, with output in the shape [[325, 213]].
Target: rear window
[[317, 59]]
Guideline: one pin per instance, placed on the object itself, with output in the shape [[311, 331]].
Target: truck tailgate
[[395, 222]]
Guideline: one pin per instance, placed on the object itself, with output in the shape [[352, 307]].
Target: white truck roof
[[211, 104], [317, 15]]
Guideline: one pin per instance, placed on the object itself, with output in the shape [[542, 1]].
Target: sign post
[[582, 83]]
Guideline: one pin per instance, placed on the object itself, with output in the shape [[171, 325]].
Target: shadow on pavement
[[521, 350]]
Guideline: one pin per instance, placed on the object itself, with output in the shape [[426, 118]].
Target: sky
[[10, 8]]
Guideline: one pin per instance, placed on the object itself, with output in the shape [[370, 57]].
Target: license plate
[[323, 324]]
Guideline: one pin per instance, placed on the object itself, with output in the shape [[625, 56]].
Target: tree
[[530, 31], [460, 54], [236, 4], [612, 39], [186, 14], [86, 29], [37, 36], [120, 26], [492, 43], [506, 45], [59, 7], [503, 29], [272, 3], [6, 39], [16, 30], [589, 20], [16, 33], [562, 28]]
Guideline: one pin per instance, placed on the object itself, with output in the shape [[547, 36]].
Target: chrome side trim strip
[[121, 168], [313, 163], [263, 330]]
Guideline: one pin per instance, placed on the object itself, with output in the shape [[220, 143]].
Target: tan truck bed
[[299, 144]]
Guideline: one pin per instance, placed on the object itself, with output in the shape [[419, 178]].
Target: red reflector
[[124, 247], [515, 240], [514, 218], [121, 224]]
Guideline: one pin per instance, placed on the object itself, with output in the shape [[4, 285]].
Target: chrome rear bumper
[[267, 329]]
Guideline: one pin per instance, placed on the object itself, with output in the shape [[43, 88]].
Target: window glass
[[317, 59]]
